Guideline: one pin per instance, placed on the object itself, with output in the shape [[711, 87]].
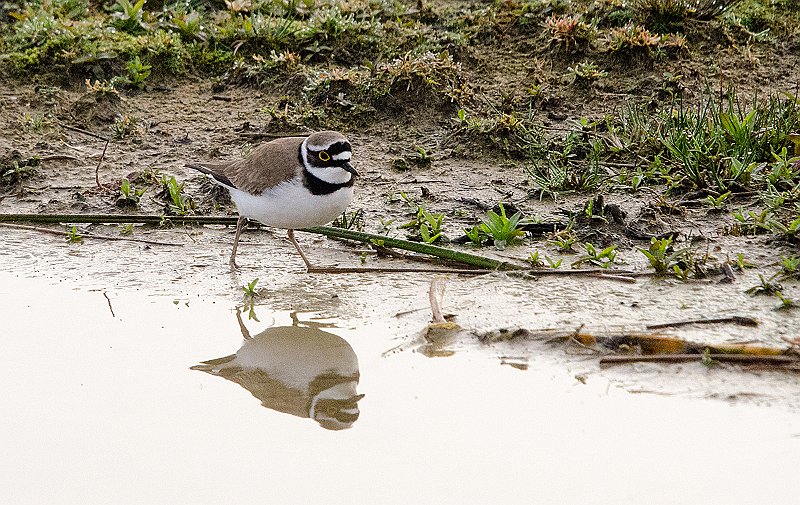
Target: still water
[[129, 398]]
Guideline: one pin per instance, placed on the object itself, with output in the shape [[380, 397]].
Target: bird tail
[[217, 176]]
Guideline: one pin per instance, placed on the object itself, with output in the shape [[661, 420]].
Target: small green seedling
[[502, 230], [430, 226], [129, 196], [73, 237], [790, 231], [551, 263], [427, 223], [138, 72], [707, 359], [350, 220], [534, 261], [595, 256], [766, 287], [786, 303], [663, 259], [250, 289], [751, 222], [790, 268], [564, 240], [719, 202], [178, 202], [741, 263]]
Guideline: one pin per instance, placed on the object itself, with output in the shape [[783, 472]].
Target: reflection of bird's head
[[336, 407]]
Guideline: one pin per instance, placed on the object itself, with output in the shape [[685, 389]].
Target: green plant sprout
[[177, 202], [250, 289], [662, 258], [73, 237], [595, 256], [129, 196]]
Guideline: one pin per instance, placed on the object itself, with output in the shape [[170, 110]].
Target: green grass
[[497, 228]]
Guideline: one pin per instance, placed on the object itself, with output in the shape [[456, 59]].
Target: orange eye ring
[[324, 156]]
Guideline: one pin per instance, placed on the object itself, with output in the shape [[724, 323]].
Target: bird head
[[327, 155]]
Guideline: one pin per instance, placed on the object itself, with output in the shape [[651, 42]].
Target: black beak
[[347, 166]]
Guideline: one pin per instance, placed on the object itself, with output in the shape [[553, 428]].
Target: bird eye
[[324, 156]]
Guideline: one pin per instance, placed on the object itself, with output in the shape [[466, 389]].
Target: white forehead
[[344, 155]]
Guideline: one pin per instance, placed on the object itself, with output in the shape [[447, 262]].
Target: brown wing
[[268, 165]]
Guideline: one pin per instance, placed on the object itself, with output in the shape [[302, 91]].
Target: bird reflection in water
[[299, 370]]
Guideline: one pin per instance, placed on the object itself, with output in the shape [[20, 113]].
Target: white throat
[[332, 175]]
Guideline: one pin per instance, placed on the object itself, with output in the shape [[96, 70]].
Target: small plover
[[290, 182]]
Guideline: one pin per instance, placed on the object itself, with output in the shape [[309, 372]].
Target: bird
[[298, 370], [289, 182]]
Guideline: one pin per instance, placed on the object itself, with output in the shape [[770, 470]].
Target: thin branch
[[51, 157], [740, 320], [745, 359], [85, 132], [97, 168], [88, 235], [109, 304], [105, 147], [116, 218], [351, 270]]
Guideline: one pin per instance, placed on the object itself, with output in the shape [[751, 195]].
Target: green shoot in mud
[[350, 220], [17, 171], [129, 196], [765, 287], [741, 263], [790, 231], [717, 202], [430, 226], [250, 296], [786, 303], [177, 202], [564, 240], [419, 158], [73, 237], [751, 222], [551, 263], [427, 224], [790, 268], [250, 288], [137, 73], [595, 256], [34, 123], [664, 259], [500, 229], [707, 359], [535, 261]]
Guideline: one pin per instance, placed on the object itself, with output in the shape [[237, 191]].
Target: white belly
[[292, 206]]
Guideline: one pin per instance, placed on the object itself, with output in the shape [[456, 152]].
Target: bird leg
[[239, 225], [297, 246]]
